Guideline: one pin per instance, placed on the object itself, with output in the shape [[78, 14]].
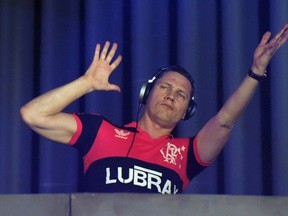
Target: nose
[[169, 97]]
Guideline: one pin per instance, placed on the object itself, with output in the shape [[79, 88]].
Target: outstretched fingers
[[106, 55], [265, 38], [102, 67], [280, 38], [114, 87], [266, 49], [112, 52], [281, 34], [105, 50], [116, 62], [97, 52]]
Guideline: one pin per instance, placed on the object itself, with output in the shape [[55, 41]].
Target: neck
[[153, 129]]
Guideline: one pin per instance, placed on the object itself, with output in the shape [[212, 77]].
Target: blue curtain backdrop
[[45, 44]]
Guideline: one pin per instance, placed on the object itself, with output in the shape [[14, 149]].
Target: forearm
[[213, 136], [56, 100], [237, 102]]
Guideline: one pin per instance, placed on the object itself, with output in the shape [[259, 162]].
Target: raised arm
[[44, 113], [215, 133]]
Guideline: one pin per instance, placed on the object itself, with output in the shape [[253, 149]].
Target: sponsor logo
[[170, 153], [121, 134], [141, 177]]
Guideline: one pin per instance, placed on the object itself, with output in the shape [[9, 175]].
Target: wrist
[[86, 83], [257, 76]]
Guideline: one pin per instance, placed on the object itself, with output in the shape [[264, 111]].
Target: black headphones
[[147, 87]]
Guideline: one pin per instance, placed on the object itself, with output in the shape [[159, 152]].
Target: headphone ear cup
[[144, 92], [190, 110]]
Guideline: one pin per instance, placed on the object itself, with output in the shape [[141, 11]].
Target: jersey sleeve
[[87, 128], [194, 164]]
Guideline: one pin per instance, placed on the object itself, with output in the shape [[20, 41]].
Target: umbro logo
[[121, 134]]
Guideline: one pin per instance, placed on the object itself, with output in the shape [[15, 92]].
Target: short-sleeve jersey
[[123, 159]]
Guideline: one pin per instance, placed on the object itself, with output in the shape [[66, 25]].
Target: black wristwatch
[[256, 76]]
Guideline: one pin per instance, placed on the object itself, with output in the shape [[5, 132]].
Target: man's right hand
[[101, 68]]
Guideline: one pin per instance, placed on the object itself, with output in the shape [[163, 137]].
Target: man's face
[[169, 99]]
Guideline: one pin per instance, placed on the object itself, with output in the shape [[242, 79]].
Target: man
[[143, 156]]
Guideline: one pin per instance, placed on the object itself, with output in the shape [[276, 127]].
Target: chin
[[166, 121]]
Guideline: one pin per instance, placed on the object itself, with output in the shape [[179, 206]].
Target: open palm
[[101, 68], [266, 49]]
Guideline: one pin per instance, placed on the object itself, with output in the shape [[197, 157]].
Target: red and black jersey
[[163, 165]]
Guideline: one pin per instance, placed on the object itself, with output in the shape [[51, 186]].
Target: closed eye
[[182, 95], [164, 86]]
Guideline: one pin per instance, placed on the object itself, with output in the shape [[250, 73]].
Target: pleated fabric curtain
[[45, 44]]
